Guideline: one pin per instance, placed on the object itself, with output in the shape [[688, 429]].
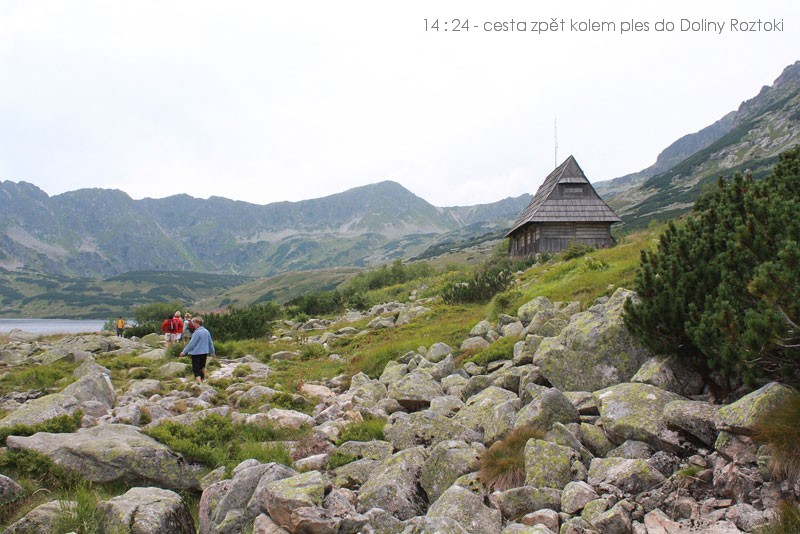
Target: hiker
[[199, 348], [170, 328], [120, 324], [187, 327], [178, 320]]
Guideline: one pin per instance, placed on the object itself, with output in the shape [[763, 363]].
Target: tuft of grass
[[338, 459], [781, 429], [62, 424], [42, 377], [371, 428], [80, 512], [786, 521], [217, 441], [502, 465]]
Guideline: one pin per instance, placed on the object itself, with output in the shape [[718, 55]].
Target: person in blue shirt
[[199, 348]]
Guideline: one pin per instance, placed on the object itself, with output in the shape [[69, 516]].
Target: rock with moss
[[438, 352], [617, 520], [696, 418], [595, 439], [561, 435], [10, 491], [670, 374], [576, 495], [393, 372], [93, 387], [147, 510], [111, 453], [373, 450], [284, 495], [467, 509], [40, 410], [548, 465], [636, 411], [416, 390], [547, 406], [516, 502], [594, 351], [355, 474], [394, 486], [630, 476], [480, 408], [143, 388], [425, 428], [448, 460], [528, 311], [43, 518], [742, 415]]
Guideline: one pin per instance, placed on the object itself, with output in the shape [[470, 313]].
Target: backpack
[[170, 325]]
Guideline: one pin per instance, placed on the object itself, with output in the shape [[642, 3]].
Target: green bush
[[217, 441], [480, 287], [576, 249], [338, 459], [723, 290], [253, 322], [312, 351], [62, 424]]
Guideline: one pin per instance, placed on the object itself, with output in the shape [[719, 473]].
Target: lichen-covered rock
[[43, 409], [394, 486], [547, 406], [285, 495], [373, 450], [438, 351], [41, 519], [416, 390], [594, 351], [432, 525], [561, 435], [393, 372], [527, 311], [473, 344], [670, 374], [467, 509], [617, 520], [109, 453], [480, 329], [631, 476], [9, 490], [147, 510], [636, 411], [548, 465], [515, 502], [575, 496], [696, 418], [593, 437], [448, 460], [481, 407], [742, 415], [425, 428]]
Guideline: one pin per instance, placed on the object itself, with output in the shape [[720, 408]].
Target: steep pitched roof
[[543, 208]]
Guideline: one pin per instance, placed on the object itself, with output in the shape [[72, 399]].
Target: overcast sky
[[268, 101]]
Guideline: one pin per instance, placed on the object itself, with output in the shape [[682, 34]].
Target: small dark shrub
[[502, 465]]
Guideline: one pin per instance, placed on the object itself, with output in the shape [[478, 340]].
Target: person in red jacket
[[172, 328]]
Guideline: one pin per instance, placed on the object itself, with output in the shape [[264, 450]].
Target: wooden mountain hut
[[566, 209]]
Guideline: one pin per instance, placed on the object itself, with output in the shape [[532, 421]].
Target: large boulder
[[147, 511], [448, 460], [395, 486], [594, 351], [547, 406], [696, 418], [43, 518], [670, 374], [548, 465], [110, 453], [742, 415], [468, 510], [283, 497], [425, 428], [636, 412], [480, 410], [93, 387], [416, 390], [42, 409], [630, 476]]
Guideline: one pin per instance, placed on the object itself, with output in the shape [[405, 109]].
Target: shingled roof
[[543, 208]]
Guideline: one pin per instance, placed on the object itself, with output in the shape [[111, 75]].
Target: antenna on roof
[[555, 136]]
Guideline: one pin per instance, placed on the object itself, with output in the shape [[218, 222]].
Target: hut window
[[573, 190]]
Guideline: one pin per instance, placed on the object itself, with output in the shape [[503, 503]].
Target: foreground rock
[[147, 510], [113, 453]]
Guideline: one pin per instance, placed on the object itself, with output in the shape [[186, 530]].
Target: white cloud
[[265, 101]]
